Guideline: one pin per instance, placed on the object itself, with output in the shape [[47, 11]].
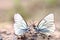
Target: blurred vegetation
[[51, 2], [19, 9]]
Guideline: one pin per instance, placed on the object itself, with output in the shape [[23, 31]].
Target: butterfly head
[[32, 29]]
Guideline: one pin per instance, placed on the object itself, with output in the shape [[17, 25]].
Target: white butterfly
[[46, 26]]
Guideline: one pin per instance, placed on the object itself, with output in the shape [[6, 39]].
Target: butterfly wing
[[20, 27], [47, 25]]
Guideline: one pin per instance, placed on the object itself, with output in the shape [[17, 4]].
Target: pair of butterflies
[[46, 26]]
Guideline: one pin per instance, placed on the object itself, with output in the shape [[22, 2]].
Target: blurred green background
[[28, 9]]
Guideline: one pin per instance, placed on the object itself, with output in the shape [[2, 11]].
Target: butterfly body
[[46, 26]]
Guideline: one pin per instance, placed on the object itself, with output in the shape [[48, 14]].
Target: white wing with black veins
[[47, 25], [20, 27]]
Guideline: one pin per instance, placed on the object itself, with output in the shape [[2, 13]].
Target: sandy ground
[[7, 33]]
